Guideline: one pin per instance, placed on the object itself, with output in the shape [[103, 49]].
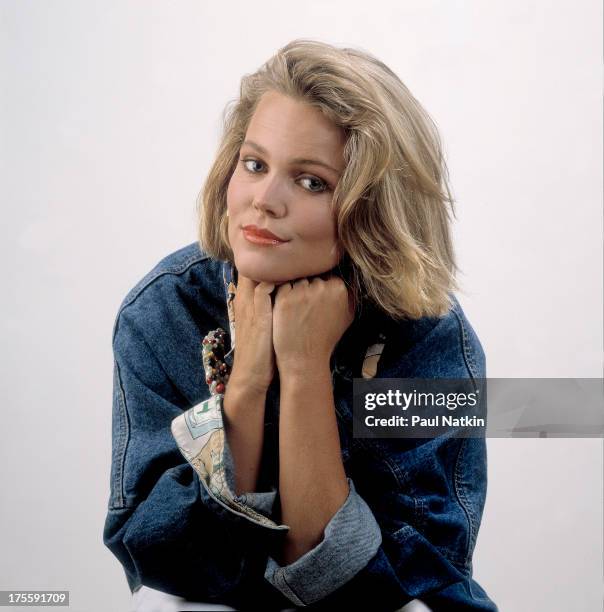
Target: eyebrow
[[296, 160]]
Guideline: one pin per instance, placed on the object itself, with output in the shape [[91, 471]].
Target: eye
[[245, 163], [322, 185], [316, 185]]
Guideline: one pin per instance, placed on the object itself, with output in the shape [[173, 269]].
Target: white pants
[[150, 600]]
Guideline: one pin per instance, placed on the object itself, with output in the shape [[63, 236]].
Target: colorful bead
[[217, 371]]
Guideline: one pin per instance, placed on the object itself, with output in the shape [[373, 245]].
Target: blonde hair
[[392, 203]]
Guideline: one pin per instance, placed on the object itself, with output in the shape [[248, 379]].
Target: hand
[[308, 321], [254, 363]]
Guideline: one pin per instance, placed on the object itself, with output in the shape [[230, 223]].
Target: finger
[[244, 296], [300, 283], [282, 290], [264, 287], [263, 306], [246, 285]]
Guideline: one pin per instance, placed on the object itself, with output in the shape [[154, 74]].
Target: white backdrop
[[110, 119]]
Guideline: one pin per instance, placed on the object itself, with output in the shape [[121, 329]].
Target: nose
[[268, 199], [268, 209]]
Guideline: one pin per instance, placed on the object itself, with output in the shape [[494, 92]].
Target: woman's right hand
[[254, 360]]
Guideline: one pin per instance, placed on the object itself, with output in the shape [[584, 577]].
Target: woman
[[324, 243]]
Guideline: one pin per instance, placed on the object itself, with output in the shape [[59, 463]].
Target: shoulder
[[171, 308], [434, 347], [181, 288], [167, 271]]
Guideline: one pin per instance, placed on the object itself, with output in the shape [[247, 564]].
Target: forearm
[[244, 429], [312, 479]]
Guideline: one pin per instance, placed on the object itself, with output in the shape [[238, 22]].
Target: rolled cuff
[[351, 539], [199, 434]]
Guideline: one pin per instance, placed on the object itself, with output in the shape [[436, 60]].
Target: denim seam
[[405, 485], [420, 511], [402, 479], [395, 535], [122, 446], [188, 400], [176, 270], [464, 502], [124, 416], [467, 350]]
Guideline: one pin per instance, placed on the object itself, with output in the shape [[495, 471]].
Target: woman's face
[[289, 165]]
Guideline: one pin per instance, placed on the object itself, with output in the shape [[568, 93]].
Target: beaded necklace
[[217, 370]]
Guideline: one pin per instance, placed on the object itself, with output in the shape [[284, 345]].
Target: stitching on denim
[[177, 270], [406, 486], [467, 350], [395, 535], [464, 501], [401, 477], [124, 438], [420, 511], [404, 483], [122, 445]]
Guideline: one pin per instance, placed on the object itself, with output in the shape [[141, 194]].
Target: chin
[[255, 272], [258, 274], [263, 277], [263, 270]]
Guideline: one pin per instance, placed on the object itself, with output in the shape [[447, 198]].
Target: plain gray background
[[110, 119]]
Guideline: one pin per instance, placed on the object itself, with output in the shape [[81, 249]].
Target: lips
[[262, 233]]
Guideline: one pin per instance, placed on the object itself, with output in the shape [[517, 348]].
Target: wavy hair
[[392, 204]]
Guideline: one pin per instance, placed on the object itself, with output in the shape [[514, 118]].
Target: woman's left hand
[[309, 318]]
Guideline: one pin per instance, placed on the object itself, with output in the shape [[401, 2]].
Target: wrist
[[244, 376], [305, 372], [242, 389]]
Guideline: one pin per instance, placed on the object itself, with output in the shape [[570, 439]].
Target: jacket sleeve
[[200, 435], [351, 538], [422, 548], [165, 524]]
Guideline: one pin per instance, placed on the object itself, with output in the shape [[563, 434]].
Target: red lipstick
[[259, 235]]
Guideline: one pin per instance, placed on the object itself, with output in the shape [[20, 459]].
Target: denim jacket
[[408, 527]]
